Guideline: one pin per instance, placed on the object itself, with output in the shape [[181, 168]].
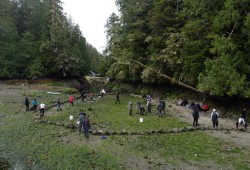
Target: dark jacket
[[86, 122], [195, 113]]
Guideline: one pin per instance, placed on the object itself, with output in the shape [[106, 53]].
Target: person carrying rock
[[241, 122], [42, 109], [214, 118]]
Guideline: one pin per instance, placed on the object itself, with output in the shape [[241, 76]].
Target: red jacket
[[71, 98]]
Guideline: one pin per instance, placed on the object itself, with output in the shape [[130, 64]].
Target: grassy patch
[[43, 146]]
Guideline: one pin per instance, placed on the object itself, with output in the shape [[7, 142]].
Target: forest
[[38, 39], [203, 44]]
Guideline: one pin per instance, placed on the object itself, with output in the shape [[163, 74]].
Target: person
[[42, 109], [91, 97], [142, 110], [159, 108], [193, 106], [102, 92], [163, 106], [195, 115], [34, 103], [27, 103], [244, 114], [117, 98], [149, 98], [81, 119], [130, 107], [183, 102], [198, 106], [214, 118], [149, 104], [241, 122], [83, 95], [71, 100], [58, 105], [138, 106], [86, 125], [205, 107]]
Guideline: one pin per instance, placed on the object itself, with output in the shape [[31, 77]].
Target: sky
[[91, 16]]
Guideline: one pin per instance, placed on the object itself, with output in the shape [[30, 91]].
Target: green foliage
[[149, 76], [40, 145], [70, 90], [180, 39], [40, 40]]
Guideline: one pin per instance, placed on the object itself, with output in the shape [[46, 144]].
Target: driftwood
[[167, 77]]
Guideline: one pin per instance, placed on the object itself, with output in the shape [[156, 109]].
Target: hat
[[214, 110]]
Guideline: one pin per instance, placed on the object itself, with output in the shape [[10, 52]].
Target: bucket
[[71, 117], [141, 120]]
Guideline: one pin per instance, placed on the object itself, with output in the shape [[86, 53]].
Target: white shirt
[[241, 120], [42, 106], [213, 113]]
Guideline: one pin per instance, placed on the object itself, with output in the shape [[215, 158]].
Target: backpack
[[86, 122], [195, 113], [214, 116]]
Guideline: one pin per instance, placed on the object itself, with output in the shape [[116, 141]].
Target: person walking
[[117, 98], [149, 104], [58, 105], [71, 100], [214, 118], [130, 108], [81, 119], [27, 103], [34, 103], [86, 125], [159, 109], [195, 115]]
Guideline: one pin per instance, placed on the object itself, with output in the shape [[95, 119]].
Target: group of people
[[184, 102], [140, 108], [34, 106], [84, 122], [215, 115]]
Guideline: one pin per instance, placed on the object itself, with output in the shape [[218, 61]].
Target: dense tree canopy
[[37, 39], [203, 44]]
